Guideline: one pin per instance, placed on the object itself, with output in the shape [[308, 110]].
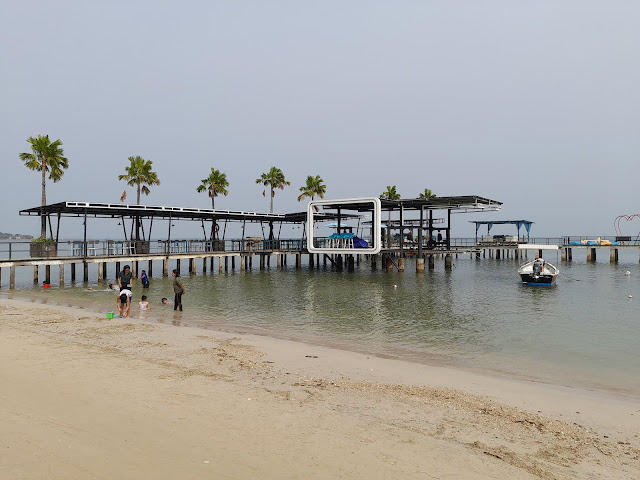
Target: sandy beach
[[88, 397]]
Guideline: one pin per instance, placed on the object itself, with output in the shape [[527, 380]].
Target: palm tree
[[390, 193], [427, 194], [139, 174], [315, 186], [275, 179], [214, 185], [46, 157]]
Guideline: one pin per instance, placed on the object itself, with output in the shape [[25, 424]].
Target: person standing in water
[[144, 279], [125, 278], [178, 290]]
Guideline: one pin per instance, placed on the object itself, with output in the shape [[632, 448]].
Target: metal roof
[[464, 203], [457, 204], [117, 210]]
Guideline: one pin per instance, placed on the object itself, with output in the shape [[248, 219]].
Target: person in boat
[[538, 266]]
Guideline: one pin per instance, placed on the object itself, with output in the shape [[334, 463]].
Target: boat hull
[[538, 280]]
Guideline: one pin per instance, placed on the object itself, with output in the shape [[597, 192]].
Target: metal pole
[[85, 235], [58, 228], [420, 233], [401, 231], [169, 235]]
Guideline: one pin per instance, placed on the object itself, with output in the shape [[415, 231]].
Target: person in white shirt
[[124, 302]]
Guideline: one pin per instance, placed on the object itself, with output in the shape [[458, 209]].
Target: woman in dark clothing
[[178, 290]]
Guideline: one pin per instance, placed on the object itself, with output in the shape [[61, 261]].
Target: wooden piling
[[233, 262], [73, 271], [47, 271], [12, 277], [432, 262], [448, 261], [226, 263], [35, 275], [419, 265], [100, 271], [61, 274], [165, 267], [149, 269], [219, 265], [241, 262], [401, 264], [178, 265], [85, 271]]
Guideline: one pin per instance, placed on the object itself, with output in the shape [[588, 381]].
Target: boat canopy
[[518, 223]]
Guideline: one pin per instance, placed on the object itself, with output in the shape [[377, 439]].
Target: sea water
[[584, 331]]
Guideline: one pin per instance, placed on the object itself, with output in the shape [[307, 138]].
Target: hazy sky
[[532, 103]]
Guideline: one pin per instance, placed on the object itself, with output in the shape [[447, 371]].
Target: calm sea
[[585, 331]]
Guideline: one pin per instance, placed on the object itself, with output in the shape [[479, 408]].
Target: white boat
[[538, 272]]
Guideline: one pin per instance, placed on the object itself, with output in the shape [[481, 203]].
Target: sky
[[535, 104]]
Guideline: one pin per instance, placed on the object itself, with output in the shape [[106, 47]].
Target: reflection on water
[[584, 331]]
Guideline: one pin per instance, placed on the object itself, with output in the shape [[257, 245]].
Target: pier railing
[[20, 250]]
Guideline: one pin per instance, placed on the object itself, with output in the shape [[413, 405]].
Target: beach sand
[[87, 397]]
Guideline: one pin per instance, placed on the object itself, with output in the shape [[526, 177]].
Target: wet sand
[[94, 398]]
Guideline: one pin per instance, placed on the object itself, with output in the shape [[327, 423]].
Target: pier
[[408, 229]]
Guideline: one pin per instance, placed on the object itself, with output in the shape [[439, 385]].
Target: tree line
[[47, 157]]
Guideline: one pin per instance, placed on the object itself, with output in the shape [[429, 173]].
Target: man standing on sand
[[178, 289]]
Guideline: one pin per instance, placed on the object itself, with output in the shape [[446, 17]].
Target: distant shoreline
[[15, 236]]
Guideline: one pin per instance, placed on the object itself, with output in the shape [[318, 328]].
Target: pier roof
[[490, 223], [117, 210], [457, 204]]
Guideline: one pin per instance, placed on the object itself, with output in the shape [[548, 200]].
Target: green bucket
[[109, 314]]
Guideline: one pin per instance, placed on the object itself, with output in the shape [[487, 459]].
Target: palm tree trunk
[[271, 208], [214, 235], [43, 220], [138, 218]]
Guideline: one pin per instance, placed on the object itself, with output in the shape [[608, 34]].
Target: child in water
[[144, 303]]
